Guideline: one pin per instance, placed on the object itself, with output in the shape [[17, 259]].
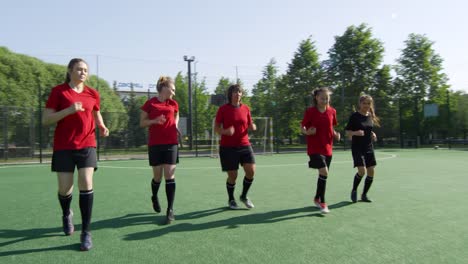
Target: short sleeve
[[53, 100], [146, 106]]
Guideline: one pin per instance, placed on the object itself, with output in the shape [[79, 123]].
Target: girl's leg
[[155, 183]]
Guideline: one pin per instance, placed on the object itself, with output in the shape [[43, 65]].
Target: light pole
[[189, 121]]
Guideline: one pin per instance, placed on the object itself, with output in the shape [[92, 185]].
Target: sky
[[140, 40]]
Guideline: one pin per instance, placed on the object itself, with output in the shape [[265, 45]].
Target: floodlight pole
[[189, 120]]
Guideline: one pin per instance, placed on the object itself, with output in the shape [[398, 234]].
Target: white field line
[[389, 156]]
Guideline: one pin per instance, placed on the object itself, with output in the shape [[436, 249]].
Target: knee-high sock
[[230, 190], [86, 208], [367, 184], [246, 186], [155, 188], [65, 202], [170, 192], [357, 180], [321, 187]]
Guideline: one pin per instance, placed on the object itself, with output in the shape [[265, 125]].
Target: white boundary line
[[390, 156]]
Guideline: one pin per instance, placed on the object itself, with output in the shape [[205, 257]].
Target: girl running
[[161, 115], [359, 127], [232, 122], [317, 125]]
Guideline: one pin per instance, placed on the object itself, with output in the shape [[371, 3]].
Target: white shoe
[[324, 208]]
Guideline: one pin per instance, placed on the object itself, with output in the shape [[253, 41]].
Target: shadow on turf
[[19, 236], [233, 222]]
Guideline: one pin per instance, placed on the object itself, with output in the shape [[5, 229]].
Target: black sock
[[357, 180], [367, 185], [170, 193], [86, 208], [230, 190], [321, 186], [246, 185], [155, 187], [65, 202]]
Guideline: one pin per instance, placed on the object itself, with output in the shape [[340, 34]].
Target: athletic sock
[[321, 186], [170, 192], [246, 186], [357, 180], [155, 187], [230, 190], [65, 202], [86, 208], [367, 184]]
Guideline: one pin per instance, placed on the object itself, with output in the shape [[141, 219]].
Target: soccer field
[[419, 213]]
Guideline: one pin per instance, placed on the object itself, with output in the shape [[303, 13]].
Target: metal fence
[[23, 139]]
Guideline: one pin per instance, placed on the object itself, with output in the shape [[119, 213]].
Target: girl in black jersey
[[360, 128]]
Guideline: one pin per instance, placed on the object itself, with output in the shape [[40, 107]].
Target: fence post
[[5, 132]]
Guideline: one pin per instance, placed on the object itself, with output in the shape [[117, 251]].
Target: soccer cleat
[[233, 205], [247, 202], [156, 206], [354, 196], [169, 216], [364, 198], [86, 242], [317, 202], [68, 227], [324, 208]]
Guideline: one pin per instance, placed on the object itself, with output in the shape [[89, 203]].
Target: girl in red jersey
[[359, 127], [232, 122], [317, 125], [74, 107], [161, 115]]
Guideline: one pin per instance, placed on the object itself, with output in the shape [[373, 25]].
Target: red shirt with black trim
[[75, 131], [239, 117], [166, 133], [322, 141]]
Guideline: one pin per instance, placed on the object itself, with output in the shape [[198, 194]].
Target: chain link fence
[[403, 125]]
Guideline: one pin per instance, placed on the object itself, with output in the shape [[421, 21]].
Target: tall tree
[[353, 64], [420, 80], [304, 73], [264, 94]]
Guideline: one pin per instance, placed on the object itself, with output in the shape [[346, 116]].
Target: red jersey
[[322, 142], [238, 117], [162, 134], [75, 131]]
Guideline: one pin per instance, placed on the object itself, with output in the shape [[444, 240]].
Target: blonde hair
[[163, 81], [374, 117], [318, 91]]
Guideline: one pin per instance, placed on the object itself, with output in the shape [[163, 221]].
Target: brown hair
[[233, 88], [374, 117], [318, 91], [70, 66], [164, 81]]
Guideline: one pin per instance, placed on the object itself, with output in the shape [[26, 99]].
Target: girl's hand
[[104, 131], [160, 120], [358, 133], [229, 131], [310, 131], [336, 135]]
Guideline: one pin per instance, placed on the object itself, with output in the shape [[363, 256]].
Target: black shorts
[[317, 161], [364, 159], [231, 157], [67, 160], [163, 154]]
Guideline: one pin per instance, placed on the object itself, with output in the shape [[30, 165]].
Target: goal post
[[262, 139]]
